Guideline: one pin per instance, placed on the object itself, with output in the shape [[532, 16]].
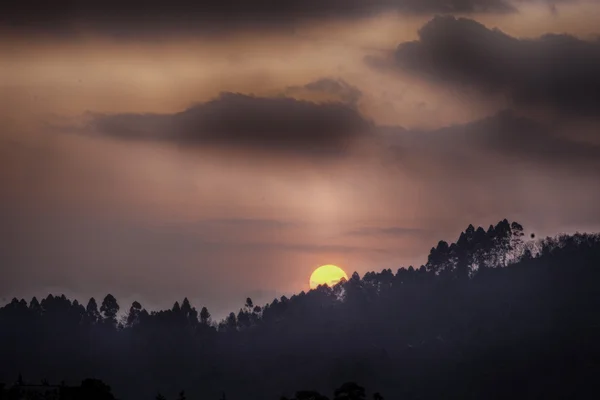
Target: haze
[[218, 161]]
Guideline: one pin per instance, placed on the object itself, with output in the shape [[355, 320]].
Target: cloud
[[552, 5], [252, 223], [556, 72], [155, 17], [328, 87], [474, 148], [388, 231], [286, 125], [521, 137], [241, 121]]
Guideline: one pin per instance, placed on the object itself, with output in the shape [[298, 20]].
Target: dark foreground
[[93, 389], [492, 316]]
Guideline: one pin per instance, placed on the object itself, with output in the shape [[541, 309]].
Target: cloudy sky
[[224, 149]]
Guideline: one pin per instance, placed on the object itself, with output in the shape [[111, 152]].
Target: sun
[[327, 275]]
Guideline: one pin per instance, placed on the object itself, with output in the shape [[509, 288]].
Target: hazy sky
[[225, 149]]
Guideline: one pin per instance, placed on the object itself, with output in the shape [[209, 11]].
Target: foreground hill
[[490, 316]]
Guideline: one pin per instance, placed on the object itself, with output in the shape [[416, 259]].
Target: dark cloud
[[337, 88], [236, 120], [524, 138], [553, 5], [155, 17], [476, 149], [556, 71], [282, 124]]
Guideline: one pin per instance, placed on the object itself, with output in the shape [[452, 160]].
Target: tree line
[[95, 389], [490, 308]]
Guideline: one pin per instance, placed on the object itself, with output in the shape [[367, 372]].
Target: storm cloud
[[557, 72], [154, 17]]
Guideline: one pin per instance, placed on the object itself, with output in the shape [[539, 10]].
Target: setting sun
[[327, 275]]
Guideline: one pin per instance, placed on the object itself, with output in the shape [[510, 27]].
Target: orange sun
[[327, 275]]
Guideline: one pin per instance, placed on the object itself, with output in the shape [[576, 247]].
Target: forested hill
[[494, 315]]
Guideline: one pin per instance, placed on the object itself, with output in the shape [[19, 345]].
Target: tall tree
[[249, 304], [135, 311], [231, 322], [204, 316], [91, 310], [516, 241], [35, 306], [439, 257], [501, 242], [110, 309]]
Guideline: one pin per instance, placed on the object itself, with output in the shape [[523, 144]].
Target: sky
[[219, 150]]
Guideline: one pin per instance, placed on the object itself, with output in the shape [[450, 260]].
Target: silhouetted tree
[[134, 315], [92, 314], [249, 304], [189, 313], [439, 258], [204, 316], [243, 319], [231, 323], [109, 309], [94, 389], [176, 308], [309, 395], [35, 306]]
